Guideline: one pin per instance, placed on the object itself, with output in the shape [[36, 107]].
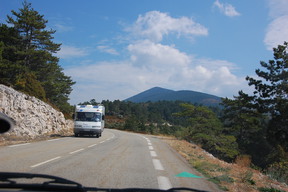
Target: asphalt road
[[116, 160]]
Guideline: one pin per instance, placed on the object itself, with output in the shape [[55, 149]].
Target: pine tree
[[206, 129], [271, 93], [10, 68], [37, 44], [241, 119], [34, 51]]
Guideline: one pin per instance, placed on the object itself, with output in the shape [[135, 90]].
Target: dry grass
[[236, 177]]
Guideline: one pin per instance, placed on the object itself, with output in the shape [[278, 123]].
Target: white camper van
[[89, 120]]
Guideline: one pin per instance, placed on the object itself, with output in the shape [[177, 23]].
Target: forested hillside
[[27, 58], [160, 94]]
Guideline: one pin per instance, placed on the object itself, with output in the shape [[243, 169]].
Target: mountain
[[159, 94]]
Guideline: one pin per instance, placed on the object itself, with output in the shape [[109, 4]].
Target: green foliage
[[131, 124], [260, 122], [206, 129], [241, 119], [28, 84], [27, 62], [247, 178], [201, 119], [226, 147], [197, 124], [205, 167], [263, 189], [247, 125], [278, 171], [222, 178], [271, 95], [143, 117]]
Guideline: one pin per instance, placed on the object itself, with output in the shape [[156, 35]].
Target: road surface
[[118, 159]]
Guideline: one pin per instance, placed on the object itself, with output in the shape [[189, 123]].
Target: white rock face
[[33, 117]]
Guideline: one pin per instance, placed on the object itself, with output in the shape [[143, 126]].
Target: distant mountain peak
[[155, 94]]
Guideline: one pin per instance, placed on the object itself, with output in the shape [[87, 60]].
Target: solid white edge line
[[53, 140], [76, 151], [157, 164], [36, 165], [17, 145], [164, 183]]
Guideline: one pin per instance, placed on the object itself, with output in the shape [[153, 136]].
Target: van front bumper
[[87, 131]]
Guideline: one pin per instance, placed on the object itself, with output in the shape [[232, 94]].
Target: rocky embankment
[[34, 118]]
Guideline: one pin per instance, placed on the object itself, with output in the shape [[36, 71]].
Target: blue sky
[[115, 49]]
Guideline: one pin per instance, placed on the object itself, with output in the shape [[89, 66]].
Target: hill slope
[[159, 94]]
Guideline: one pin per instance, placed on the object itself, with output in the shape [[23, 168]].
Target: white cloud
[[154, 55], [70, 52], [278, 8], [152, 63], [226, 9], [277, 30], [154, 25], [107, 49]]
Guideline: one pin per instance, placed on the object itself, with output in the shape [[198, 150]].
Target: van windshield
[[88, 116]]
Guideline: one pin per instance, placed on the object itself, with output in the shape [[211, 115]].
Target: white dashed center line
[[164, 183], [157, 164], [153, 154], [36, 165], [76, 151], [92, 145], [53, 159]]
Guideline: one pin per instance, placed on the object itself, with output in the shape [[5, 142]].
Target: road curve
[[118, 159]]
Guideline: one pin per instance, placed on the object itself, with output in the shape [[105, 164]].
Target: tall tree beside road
[[260, 121], [33, 49], [248, 126], [241, 119], [271, 95], [9, 63]]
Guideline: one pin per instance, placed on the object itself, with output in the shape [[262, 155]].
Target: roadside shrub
[[222, 178], [29, 84], [279, 171], [263, 189], [243, 160], [223, 147], [247, 178]]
